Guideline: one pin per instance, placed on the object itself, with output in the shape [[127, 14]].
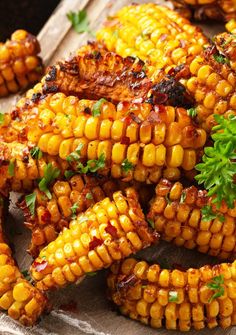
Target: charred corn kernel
[[19, 57], [146, 31], [208, 9], [179, 219], [186, 302], [15, 291], [88, 249]]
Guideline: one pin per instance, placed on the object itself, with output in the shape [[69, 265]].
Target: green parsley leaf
[[183, 197], [74, 210], [69, 173], [11, 168], [75, 155], [96, 110], [26, 274], [207, 213], [168, 199], [91, 274], [173, 296], [151, 223], [36, 153], [79, 21], [1, 118], [217, 285], [89, 196], [50, 174], [126, 166], [221, 59], [93, 165], [192, 112], [30, 200]]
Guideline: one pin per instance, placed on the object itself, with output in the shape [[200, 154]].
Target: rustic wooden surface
[[95, 314]]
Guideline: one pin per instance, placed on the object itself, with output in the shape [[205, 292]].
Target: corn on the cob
[[153, 33], [137, 141], [196, 298], [108, 231], [19, 170], [69, 198], [222, 10], [19, 64], [178, 216], [231, 26], [225, 43], [18, 297]]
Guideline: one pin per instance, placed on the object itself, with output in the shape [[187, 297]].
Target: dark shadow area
[[24, 14]]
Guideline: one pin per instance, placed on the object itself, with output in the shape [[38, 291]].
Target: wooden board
[[95, 314]]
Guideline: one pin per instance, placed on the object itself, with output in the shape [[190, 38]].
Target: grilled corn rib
[[69, 198], [18, 297], [19, 170], [222, 10], [108, 231], [20, 64], [196, 298], [155, 34], [177, 214], [137, 141]]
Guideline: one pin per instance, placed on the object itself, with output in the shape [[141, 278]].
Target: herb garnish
[[217, 285], [75, 155], [50, 174], [221, 59], [30, 200], [96, 110], [173, 296], [126, 166], [89, 196], [182, 197], [36, 153], [151, 223], [69, 173], [74, 210], [208, 214], [192, 112], [79, 21], [11, 168]]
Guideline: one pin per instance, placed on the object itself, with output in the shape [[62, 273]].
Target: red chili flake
[[71, 306], [46, 216], [128, 120], [111, 230], [153, 117], [160, 109], [39, 267], [135, 118], [95, 243], [125, 140]]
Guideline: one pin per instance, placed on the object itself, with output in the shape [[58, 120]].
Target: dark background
[[24, 14]]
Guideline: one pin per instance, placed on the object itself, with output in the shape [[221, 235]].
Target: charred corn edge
[[18, 297], [177, 215], [172, 298], [116, 227]]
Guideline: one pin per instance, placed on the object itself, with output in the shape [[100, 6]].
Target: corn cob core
[[108, 231], [153, 33], [18, 297], [176, 214], [212, 81], [222, 10], [19, 64], [172, 298], [25, 170], [69, 198], [155, 140]]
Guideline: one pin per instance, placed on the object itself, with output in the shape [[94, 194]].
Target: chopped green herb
[[26, 274], [30, 200], [126, 166], [173, 296], [91, 274], [221, 59], [93, 165], [50, 174], [183, 197], [89, 196], [96, 110], [217, 285], [168, 199], [75, 155], [69, 173], [74, 210], [79, 21], [192, 112], [36, 153], [207, 213], [11, 168], [1, 118], [151, 223]]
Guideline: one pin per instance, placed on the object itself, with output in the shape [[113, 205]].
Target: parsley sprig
[[218, 166], [216, 285], [30, 200], [208, 214], [79, 21], [50, 174]]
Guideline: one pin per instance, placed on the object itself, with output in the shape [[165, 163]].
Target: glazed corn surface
[[176, 213], [18, 297], [69, 198], [153, 33], [222, 10], [137, 140], [174, 299], [108, 231], [20, 64]]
